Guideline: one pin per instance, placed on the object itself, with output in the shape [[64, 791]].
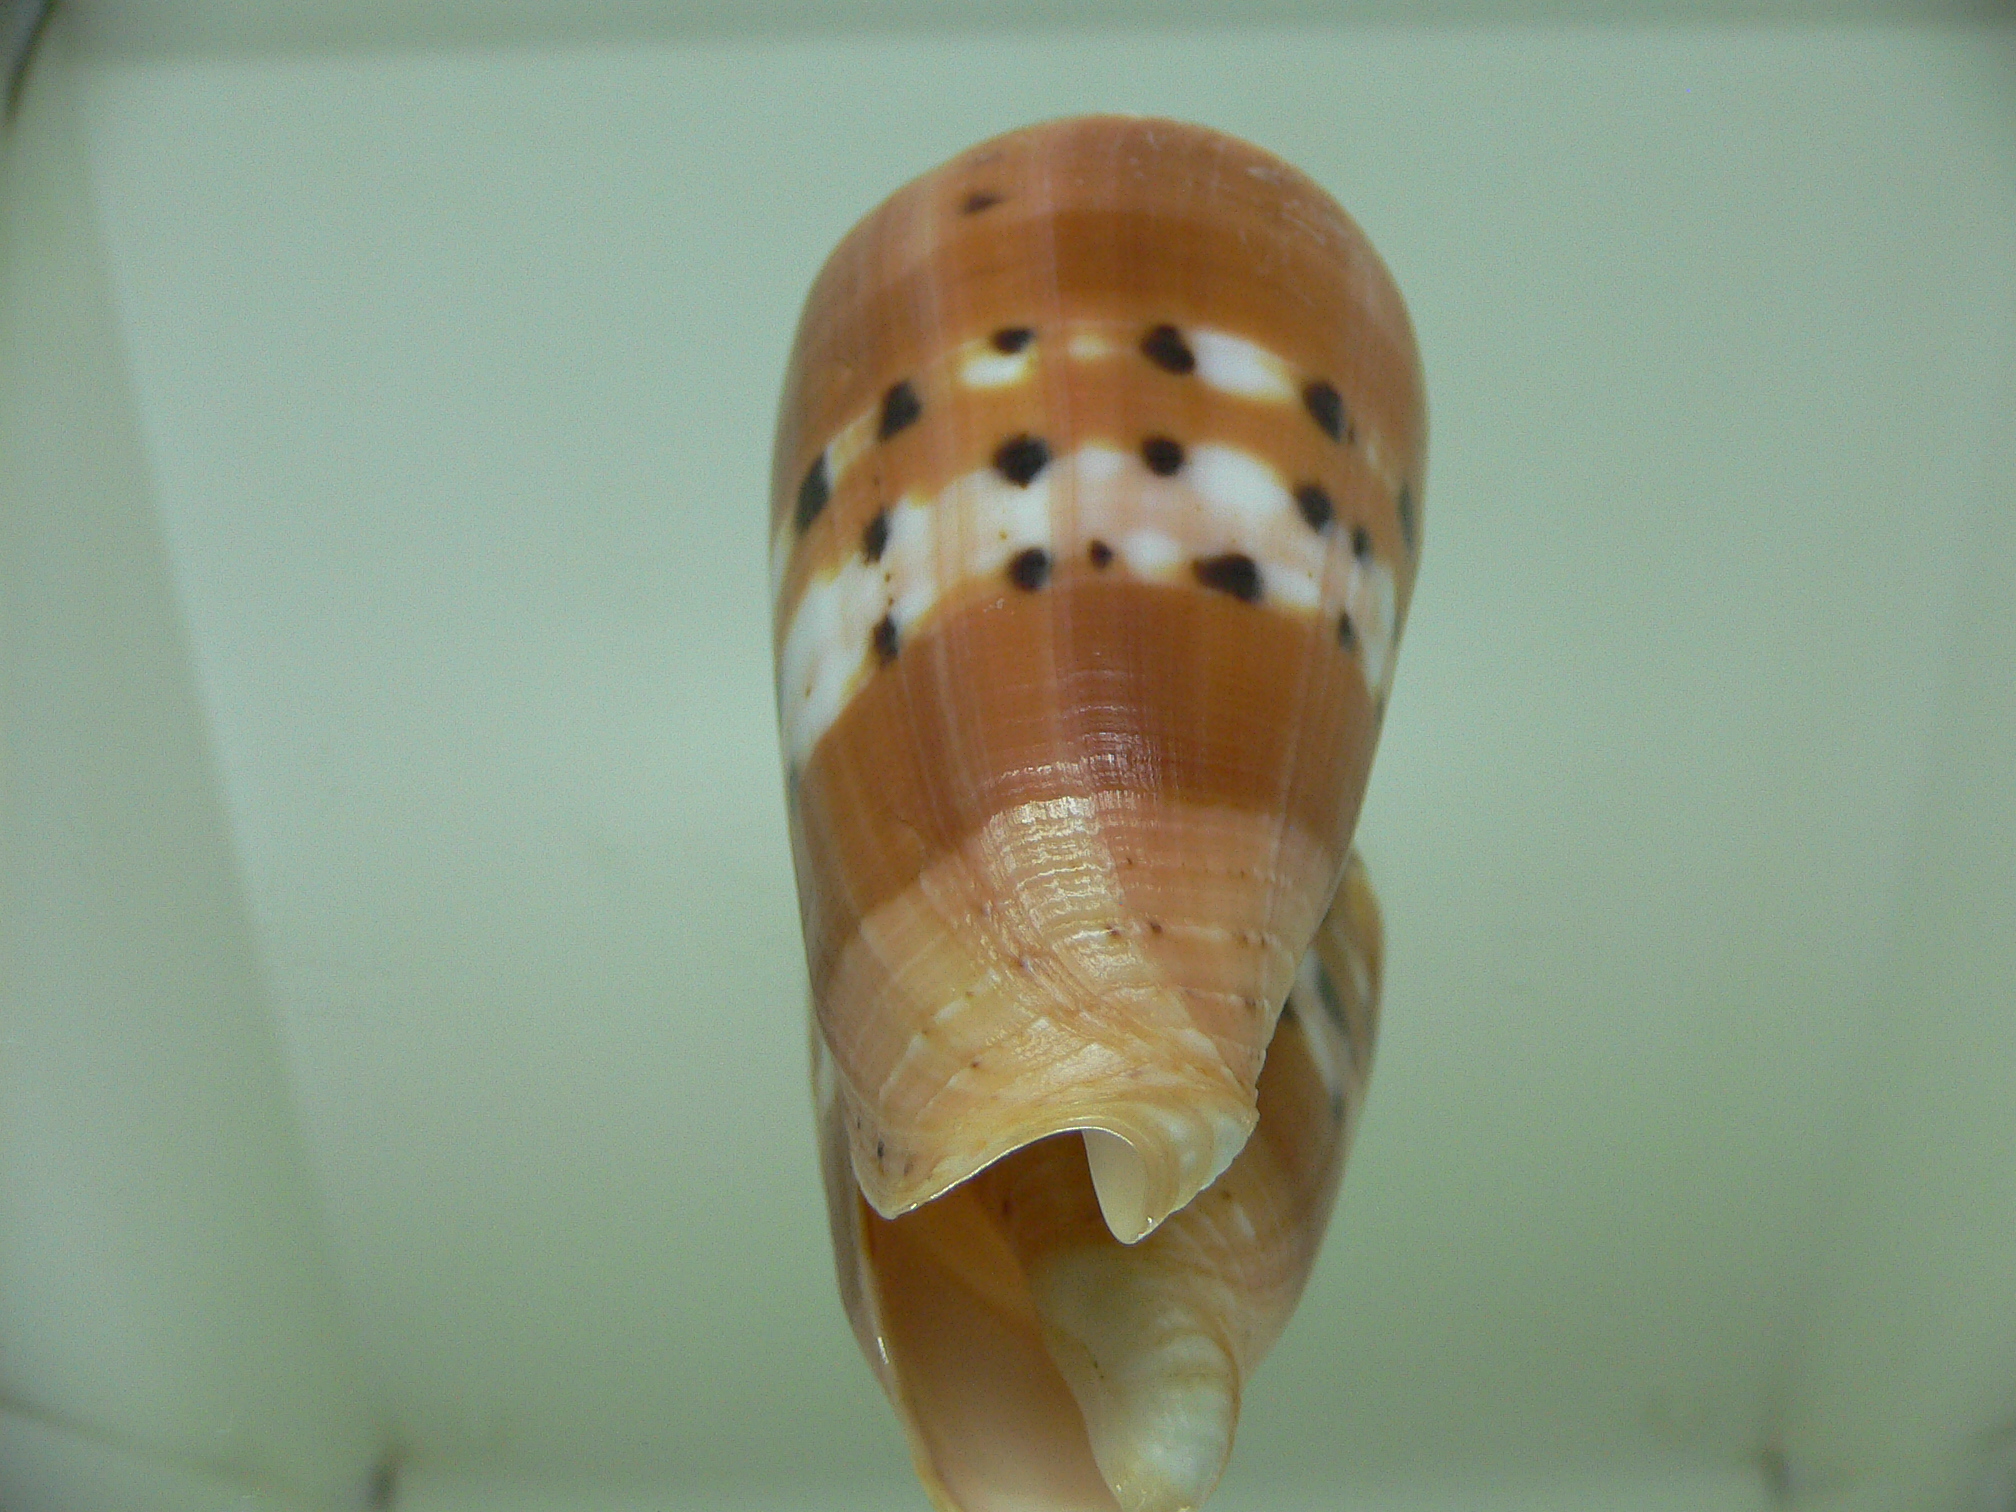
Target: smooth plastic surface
[[167, 1297]]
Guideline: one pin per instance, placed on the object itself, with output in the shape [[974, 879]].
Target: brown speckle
[[900, 409], [1011, 339], [1314, 503], [1165, 347], [885, 640], [978, 200], [812, 494], [1361, 543], [1029, 570], [875, 539], [1163, 456], [1020, 458], [1235, 573], [1100, 554], [1326, 408]]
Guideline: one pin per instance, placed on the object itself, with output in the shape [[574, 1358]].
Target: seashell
[[1095, 519]]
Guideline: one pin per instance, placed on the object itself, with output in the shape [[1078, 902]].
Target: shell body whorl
[[1095, 516]]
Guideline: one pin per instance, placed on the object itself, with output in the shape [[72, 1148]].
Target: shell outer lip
[[1132, 1205]]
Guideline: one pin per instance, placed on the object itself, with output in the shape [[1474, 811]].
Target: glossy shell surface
[[1096, 512]]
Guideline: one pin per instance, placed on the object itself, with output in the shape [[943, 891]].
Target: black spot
[[1235, 573], [875, 539], [1165, 347], [978, 200], [1100, 554], [1361, 543], [1326, 408], [1314, 504], [1407, 520], [812, 494], [1347, 634], [1029, 570], [900, 407], [1154, 926], [885, 640], [1011, 339], [878, 1151], [1020, 458], [1162, 455]]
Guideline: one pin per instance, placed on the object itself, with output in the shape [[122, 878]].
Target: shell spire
[[1095, 519]]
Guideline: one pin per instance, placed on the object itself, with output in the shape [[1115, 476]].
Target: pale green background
[[402, 1050]]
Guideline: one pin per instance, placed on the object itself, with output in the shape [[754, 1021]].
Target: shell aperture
[[1094, 522]]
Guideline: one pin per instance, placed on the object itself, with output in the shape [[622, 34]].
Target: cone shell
[[1095, 518]]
